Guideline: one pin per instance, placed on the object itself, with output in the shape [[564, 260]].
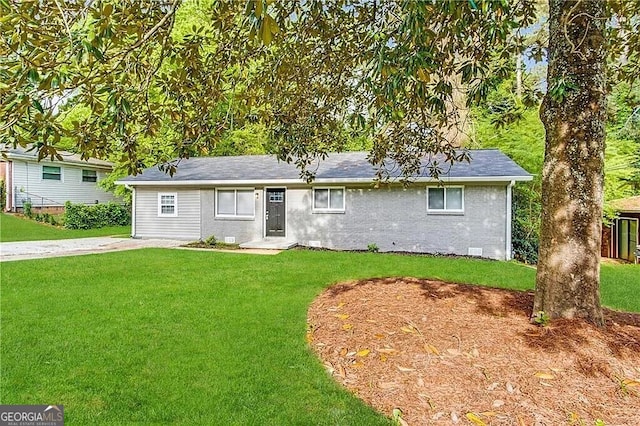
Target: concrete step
[[273, 243]]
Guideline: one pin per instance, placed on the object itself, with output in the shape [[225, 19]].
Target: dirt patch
[[448, 353]]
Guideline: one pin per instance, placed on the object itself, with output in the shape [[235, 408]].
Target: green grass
[[13, 228], [191, 337]]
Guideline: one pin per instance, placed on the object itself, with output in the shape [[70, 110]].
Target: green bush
[[26, 210], [82, 216], [3, 195]]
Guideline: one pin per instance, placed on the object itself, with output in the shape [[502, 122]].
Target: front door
[[275, 212]]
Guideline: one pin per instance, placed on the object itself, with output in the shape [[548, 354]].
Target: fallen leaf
[[453, 352], [383, 358], [379, 336], [493, 386], [363, 352], [475, 353], [329, 367], [340, 305], [351, 354], [454, 417], [372, 321], [545, 376], [405, 369], [497, 403], [309, 337], [549, 385], [432, 349], [357, 364], [489, 413], [630, 382], [341, 371], [510, 388], [386, 350], [342, 316], [347, 327], [388, 385], [408, 329], [344, 352], [475, 419]]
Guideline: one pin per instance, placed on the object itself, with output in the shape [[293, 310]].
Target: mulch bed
[[448, 353]]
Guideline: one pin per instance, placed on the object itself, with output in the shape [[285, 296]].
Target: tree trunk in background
[[573, 113]]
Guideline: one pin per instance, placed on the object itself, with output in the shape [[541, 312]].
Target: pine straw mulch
[[448, 353]]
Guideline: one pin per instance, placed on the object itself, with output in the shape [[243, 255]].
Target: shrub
[[82, 216], [373, 248], [3, 194], [211, 241], [26, 209]]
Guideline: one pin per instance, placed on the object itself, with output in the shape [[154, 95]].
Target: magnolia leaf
[[630, 382], [347, 327], [342, 316], [473, 418], [388, 385], [432, 349], [405, 369], [363, 353], [408, 329], [545, 376]]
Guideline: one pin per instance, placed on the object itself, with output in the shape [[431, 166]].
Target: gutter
[[508, 236], [214, 182]]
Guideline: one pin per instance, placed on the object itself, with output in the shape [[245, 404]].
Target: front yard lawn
[[192, 337], [14, 228]]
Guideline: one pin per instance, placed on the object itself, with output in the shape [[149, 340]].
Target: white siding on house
[[29, 185], [184, 226]]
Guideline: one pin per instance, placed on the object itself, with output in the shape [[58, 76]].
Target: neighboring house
[[47, 184], [621, 240], [253, 199]]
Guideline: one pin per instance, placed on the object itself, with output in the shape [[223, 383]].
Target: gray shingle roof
[[490, 164], [67, 157]]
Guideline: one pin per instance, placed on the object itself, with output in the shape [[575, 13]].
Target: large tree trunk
[[573, 114]]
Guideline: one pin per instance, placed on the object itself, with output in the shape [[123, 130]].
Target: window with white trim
[[51, 173], [168, 204], [235, 203], [328, 199], [89, 175], [445, 199]]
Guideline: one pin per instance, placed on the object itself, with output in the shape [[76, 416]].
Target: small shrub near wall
[[3, 195], [82, 216]]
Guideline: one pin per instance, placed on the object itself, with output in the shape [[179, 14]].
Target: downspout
[[8, 187], [509, 248], [133, 210]]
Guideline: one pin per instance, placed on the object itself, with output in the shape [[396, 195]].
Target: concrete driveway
[[57, 248]]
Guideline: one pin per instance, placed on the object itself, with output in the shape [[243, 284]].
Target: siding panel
[[28, 184], [185, 226]]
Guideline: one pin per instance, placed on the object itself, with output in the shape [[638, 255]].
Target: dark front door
[[275, 212]]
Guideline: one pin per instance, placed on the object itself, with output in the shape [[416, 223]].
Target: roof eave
[[14, 156], [470, 179]]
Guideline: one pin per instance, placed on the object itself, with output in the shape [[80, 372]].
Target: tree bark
[[573, 113]]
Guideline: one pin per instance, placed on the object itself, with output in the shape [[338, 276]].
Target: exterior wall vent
[[315, 243], [475, 251], [230, 240]]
